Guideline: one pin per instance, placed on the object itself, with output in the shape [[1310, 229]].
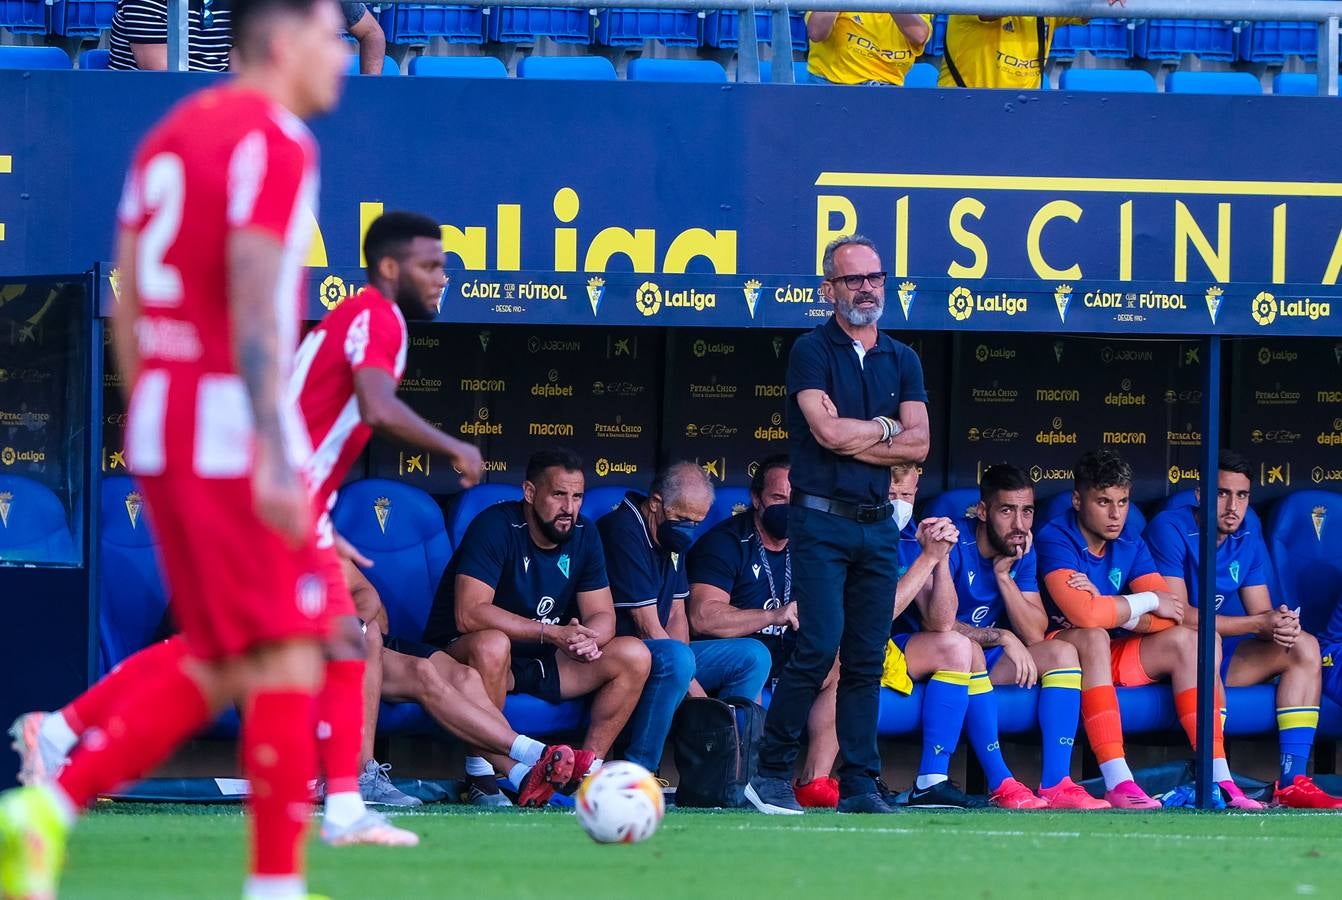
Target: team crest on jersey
[[134, 503], [6, 502], [356, 339], [1234, 571], [564, 563], [1319, 514], [382, 509], [756, 569], [1116, 578]]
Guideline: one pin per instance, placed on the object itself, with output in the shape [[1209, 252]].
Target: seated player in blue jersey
[[647, 540], [526, 603], [1099, 575], [741, 587], [1259, 643], [1000, 610], [926, 646]]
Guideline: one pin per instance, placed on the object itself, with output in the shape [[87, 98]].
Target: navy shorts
[[538, 675], [409, 647]]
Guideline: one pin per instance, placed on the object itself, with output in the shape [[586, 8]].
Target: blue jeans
[[845, 580], [735, 667]]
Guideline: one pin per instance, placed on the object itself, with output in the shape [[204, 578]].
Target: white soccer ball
[[621, 803]]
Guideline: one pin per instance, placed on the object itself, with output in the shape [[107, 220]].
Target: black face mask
[[676, 537], [774, 520]]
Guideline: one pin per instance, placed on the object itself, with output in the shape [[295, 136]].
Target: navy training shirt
[[641, 574], [861, 388], [729, 558], [1241, 560], [537, 584]]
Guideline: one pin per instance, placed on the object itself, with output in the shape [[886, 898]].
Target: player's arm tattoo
[[254, 263], [984, 637]]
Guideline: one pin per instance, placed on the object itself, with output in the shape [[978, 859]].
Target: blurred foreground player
[[215, 218]]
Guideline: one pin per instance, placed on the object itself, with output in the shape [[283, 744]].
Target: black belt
[[860, 513]]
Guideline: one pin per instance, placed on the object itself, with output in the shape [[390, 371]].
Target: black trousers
[[844, 577]]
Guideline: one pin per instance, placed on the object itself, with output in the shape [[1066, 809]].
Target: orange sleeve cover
[[1082, 608]]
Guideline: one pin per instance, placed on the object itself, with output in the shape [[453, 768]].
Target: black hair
[[767, 465], [246, 15], [1235, 462], [391, 234], [1001, 478], [1100, 469], [552, 458]]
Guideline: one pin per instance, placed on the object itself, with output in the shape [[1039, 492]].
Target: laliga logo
[[752, 293], [648, 300], [907, 291], [596, 289], [961, 304], [333, 291], [1264, 309], [1214, 301], [602, 467], [1062, 296]]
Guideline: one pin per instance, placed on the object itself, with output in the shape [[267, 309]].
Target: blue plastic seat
[[1274, 42], [799, 73], [523, 24], [1305, 541], [34, 526], [1129, 81], [389, 66], [1296, 84], [417, 23], [82, 18], [401, 529], [1102, 38], [475, 500], [634, 27], [1170, 39], [955, 505], [603, 498], [567, 68], [458, 67], [922, 75], [1059, 504], [1212, 83], [94, 59], [678, 70], [727, 502], [133, 596], [723, 29], [33, 58], [24, 16]]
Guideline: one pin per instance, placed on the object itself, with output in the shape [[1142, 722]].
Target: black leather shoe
[[868, 803]]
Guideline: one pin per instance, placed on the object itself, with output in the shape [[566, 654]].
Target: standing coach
[[856, 407]]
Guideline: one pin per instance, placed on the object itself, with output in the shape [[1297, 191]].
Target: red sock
[[90, 709], [1186, 707], [1104, 724], [150, 714], [279, 757], [340, 724]]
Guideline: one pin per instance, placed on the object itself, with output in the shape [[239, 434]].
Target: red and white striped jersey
[[223, 160], [365, 331]]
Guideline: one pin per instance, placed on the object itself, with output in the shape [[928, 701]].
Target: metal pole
[[178, 39], [1328, 57], [782, 41], [1208, 708], [748, 48]]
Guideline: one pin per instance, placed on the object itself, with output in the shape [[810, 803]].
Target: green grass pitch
[[198, 853]]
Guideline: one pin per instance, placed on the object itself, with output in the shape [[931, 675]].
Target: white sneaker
[[370, 828], [375, 787], [39, 760]]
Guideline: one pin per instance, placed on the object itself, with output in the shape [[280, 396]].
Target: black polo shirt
[[862, 388]]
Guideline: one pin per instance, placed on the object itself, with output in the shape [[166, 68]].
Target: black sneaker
[[870, 802], [942, 795], [884, 790], [773, 796]]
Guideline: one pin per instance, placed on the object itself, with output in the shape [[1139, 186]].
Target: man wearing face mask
[[741, 586], [647, 541], [856, 407]]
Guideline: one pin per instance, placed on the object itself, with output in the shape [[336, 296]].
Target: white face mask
[[903, 513]]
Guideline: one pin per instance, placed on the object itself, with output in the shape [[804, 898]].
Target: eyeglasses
[[854, 282]]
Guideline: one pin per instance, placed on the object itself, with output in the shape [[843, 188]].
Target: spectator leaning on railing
[[865, 47], [1000, 51], [139, 38]]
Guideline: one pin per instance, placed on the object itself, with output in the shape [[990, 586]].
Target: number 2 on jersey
[[159, 283]]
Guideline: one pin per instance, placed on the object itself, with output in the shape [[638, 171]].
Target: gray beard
[[860, 318]]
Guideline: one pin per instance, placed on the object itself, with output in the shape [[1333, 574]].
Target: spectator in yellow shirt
[[1000, 51], [864, 48]]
